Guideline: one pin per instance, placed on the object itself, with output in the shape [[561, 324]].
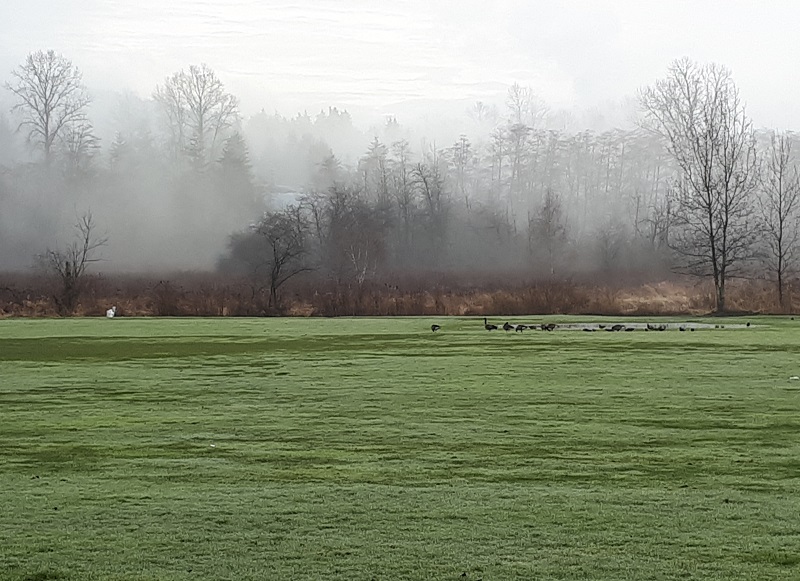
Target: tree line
[[692, 189]]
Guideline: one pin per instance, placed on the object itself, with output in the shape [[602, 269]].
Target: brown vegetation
[[213, 295]]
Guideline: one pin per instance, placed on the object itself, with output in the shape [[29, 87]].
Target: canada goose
[[617, 327], [435, 328], [520, 328], [507, 327], [488, 326]]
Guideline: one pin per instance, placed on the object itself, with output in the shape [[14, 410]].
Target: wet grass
[[374, 449]]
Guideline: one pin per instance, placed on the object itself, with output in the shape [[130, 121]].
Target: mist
[[164, 209], [519, 186], [486, 154]]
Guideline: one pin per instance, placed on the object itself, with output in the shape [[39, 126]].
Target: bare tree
[[524, 107], [547, 231], [69, 265], [283, 235], [79, 145], [404, 193], [779, 202], [373, 166], [483, 114], [428, 179], [198, 109], [697, 109], [51, 98], [462, 158]]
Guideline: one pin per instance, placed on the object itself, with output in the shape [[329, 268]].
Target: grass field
[[161, 449]]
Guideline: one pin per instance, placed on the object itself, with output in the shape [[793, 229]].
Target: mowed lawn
[[360, 449]]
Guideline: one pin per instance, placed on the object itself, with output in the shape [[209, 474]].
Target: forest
[[178, 204]]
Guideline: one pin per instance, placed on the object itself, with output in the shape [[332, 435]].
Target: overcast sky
[[371, 54]]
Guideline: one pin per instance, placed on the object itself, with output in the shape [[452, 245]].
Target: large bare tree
[[779, 204], [698, 111], [198, 109], [50, 97]]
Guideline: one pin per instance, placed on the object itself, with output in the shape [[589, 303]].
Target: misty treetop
[[51, 101], [182, 180]]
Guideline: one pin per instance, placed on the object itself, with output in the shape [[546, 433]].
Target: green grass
[[160, 449]]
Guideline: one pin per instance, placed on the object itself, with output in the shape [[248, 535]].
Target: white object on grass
[[111, 312]]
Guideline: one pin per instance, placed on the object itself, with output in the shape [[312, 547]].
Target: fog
[[164, 208], [459, 138]]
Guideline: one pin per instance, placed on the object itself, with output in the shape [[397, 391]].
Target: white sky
[[372, 54]]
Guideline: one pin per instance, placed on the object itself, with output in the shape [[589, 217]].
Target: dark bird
[[488, 326], [520, 328], [548, 326], [507, 327], [435, 328], [617, 327], [748, 323]]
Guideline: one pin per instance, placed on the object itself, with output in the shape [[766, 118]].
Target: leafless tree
[[79, 145], [547, 231], [429, 182], [51, 98], [374, 169], [69, 265], [697, 109], [779, 203], [285, 248], [462, 158], [519, 145], [655, 226], [198, 109], [483, 114], [524, 107], [404, 193]]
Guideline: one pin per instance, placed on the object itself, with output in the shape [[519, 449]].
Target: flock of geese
[[519, 328]]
